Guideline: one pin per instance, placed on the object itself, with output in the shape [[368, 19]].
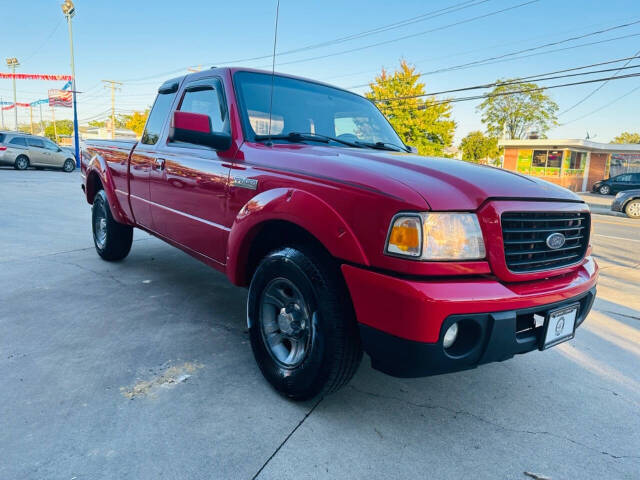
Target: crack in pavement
[[19, 259], [286, 439], [494, 424], [632, 317]]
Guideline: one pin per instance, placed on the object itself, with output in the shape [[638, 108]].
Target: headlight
[[619, 194], [436, 236]]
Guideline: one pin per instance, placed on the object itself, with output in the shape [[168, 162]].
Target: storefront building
[[574, 164]]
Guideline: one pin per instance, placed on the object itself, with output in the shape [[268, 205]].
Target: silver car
[[22, 151]]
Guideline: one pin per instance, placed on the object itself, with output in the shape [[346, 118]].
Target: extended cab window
[[157, 117], [206, 97]]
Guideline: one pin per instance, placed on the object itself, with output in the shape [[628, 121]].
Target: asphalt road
[[142, 369]]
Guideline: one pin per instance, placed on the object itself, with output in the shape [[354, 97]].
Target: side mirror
[[196, 128], [412, 149]]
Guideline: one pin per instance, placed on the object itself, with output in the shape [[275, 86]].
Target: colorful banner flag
[[34, 76], [12, 106], [60, 98]]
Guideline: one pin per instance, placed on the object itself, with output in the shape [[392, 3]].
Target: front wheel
[[633, 209], [111, 239], [69, 165], [301, 323], [604, 190]]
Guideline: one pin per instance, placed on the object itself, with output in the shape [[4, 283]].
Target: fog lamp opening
[[450, 335]]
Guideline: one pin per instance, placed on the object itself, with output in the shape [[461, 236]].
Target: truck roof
[[232, 70]]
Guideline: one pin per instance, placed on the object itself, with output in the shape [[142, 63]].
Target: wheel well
[[94, 185], [273, 234]]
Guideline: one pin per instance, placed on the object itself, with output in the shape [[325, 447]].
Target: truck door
[[189, 183], [144, 155]]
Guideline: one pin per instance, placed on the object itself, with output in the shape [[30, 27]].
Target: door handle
[[158, 164]]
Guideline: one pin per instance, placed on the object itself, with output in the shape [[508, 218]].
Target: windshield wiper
[[384, 146], [314, 137]]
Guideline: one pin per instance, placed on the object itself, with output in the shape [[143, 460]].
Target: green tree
[[97, 123], [517, 109], [137, 121], [63, 127], [422, 122], [627, 137], [477, 146]]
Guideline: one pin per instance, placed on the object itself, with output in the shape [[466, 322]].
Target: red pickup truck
[[347, 240]]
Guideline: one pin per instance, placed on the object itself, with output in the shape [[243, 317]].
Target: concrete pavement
[[142, 369]]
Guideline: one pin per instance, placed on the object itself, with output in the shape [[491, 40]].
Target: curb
[[602, 210]]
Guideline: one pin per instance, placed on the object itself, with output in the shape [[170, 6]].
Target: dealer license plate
[[560, 325]]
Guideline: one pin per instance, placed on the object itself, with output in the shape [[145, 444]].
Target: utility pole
[[31, 118], [112, 84], [69, 10], [2, 111], [41, 122], [12, 63], [55, 129]]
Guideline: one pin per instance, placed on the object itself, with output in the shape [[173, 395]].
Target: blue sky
[[143, 42]]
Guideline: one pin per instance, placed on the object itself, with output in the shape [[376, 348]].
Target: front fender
[[97, 169], [300, 208]]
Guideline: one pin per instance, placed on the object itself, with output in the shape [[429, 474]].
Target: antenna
[[273, 66]]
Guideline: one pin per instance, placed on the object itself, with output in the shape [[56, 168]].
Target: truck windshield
[[307, 111]]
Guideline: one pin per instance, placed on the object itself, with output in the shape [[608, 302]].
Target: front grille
[[525, 239]]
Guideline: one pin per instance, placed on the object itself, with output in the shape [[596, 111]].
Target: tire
[[604, 189], [69, 165], [111, 239], [21, 163], [632, 209], [299, 301]]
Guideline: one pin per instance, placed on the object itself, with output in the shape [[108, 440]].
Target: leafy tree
[[136, 121], [627, 137], [422, 122], [97, 123], [517, 109], [477, 146], [63, 127]]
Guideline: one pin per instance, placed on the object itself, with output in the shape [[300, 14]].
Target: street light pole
[[12, 63], [69, 11]]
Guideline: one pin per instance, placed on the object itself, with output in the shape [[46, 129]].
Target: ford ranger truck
[[347, 240]]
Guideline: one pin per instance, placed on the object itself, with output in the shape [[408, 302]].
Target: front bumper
[[402, 321], [617, 204]]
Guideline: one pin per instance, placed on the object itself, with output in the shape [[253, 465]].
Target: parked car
[[627, 202], [619, 183], [346, 240], [23, 151]]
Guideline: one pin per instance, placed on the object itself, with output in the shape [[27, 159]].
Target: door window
[[206, 97], [35, 142], [624, 178], [49, 145], [157, 117]]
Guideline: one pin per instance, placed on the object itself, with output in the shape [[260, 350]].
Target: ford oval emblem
[[555, 241]]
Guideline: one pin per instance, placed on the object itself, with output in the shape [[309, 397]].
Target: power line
[[434, 14], [398, 39], [539, 78], [595, 90], [493, 59], [501, 94], [607, 105]]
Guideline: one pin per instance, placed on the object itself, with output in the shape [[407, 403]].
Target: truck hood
[[447, 184]]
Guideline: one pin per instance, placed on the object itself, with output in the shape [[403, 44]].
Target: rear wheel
[[633, 209], [69, 165], [604, 190], [301, 323], [111, 239], [21, 163]]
